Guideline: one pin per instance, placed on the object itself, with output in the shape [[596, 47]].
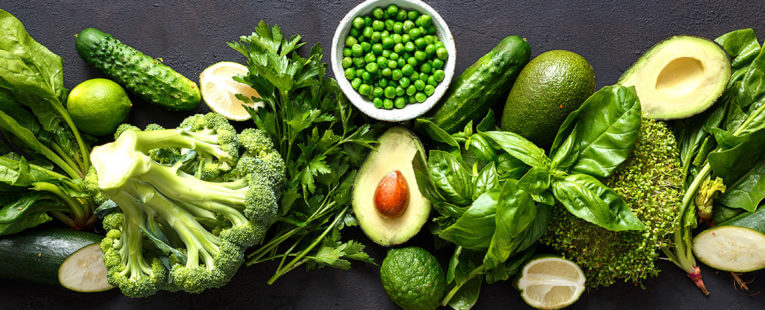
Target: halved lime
[[551, 283], [219, 90]]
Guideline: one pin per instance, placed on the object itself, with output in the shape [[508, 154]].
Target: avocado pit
[[392, 195]]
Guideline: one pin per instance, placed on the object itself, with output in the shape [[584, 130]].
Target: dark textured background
[[191, 35]]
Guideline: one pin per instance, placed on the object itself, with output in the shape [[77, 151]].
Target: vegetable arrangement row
[[184, 208]]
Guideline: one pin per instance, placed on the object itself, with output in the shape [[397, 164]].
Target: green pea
[[423, 77], [358, 62], [408, 25], [347, 52], [378, 25], [398, 48], [396, 74], [411, 90], [385, 33], [388, 104], [426, 68], [386, 72], [394, 56], [392, 10], [350, 73], [377, 92], [407, 70], [431, 30], [438, 63], [440, 44], [415, 76], [400, 91], [420, 55], [389, 24], [420, 42], [409, 46], [347, 62], [376, 36], [413, 15], [378, 103], [382, 61], [399, 103], [371, 67], [430, 48], [439, 74], [401, 15], [396, 38], [378, 13], [411, 61], [390, 92], [370, 57], [350, 41], [382, 82], [357, 50], [431, 81], [354, 32], [398, 27], [356, 83], [392, 64], [429, 39], [366, 47], [420, 97], [406, 38], [366, 76], [419, 84], [367, 32], [411, 99], [367, 21], [404, 81], [365, 89], [415, 33], [442, 54], [429, 90], [377, 48], [386, 53], [387, 42], [401, 62], [425, 20]]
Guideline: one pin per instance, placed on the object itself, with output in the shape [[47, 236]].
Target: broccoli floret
[[650, 181], [90, 186], [196, 229]]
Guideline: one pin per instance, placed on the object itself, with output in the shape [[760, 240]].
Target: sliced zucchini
[[84, 271], [737, 245]]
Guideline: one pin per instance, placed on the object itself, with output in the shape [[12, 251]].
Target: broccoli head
[[183, 228], [650, 181]]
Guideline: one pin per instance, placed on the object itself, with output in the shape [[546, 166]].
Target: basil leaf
[[422, 176], [518, 147], [748, 191], [585, 197], [487, 180], [515, 211], [536, 181], [467, 295], [436, 133], [510, 167], [603, 132], [537, 228], [451, 179], [475, 228], [481, 148], [489, 122]]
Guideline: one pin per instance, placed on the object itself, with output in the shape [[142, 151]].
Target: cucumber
[[144, 76], [737, 245], [55, 256], [482, 85]]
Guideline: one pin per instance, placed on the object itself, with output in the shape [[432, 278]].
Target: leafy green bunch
[[43, 157], [316, 132], [494, 190]]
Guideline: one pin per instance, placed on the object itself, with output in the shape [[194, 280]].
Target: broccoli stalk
[[198, 229]]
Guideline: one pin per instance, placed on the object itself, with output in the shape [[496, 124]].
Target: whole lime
[[98, 106], [413, 278]]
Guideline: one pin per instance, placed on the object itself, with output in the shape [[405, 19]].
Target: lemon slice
[[219, 90], [551, 283]]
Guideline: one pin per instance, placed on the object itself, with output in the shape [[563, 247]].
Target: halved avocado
[[679, 77], [395, 151]]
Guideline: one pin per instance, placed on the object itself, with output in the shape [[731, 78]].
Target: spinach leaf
[[603, 132], [475, 228], [27, 211], [585, 197], [748, 191], [515, 211], [451, 178], [741, 45], [467, 295], [737, 155], [518, 147]]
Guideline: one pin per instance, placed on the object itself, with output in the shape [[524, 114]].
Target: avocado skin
[[551, 86]]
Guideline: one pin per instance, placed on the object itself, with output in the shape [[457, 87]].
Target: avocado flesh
[[679, 77], [395, 151]]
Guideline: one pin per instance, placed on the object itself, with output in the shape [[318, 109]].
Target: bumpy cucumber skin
[[483, 84], [144, 76], [35, 255]]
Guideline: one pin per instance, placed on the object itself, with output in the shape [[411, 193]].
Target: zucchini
[[55, 256], [142, 75], [737, 245], [483, 84]]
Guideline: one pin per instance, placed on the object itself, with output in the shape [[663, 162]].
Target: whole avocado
[[551, 86]]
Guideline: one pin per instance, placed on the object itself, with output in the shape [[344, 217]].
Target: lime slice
[[551, 283], [219, 90]]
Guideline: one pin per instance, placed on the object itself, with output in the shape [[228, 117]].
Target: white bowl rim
[[410, 111]]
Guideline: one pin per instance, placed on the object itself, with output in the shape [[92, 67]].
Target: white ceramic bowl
[[410, 111]]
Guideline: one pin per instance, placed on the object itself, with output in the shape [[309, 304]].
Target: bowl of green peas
[[393, 59]]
